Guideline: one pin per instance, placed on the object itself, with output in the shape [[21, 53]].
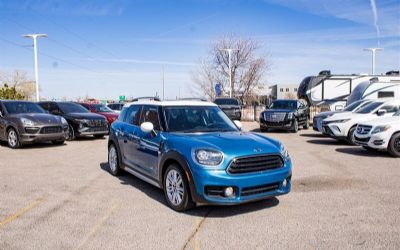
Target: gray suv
[[24, 122]]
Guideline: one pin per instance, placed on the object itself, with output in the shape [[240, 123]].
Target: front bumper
[[86, 131], [378, 141], [285, 124], [30, 136], [335, 130], [248, 187]]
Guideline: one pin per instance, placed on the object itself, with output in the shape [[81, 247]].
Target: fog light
[[284, 183], [228, 192]]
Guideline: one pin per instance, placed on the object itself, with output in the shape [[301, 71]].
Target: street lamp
[[230, 71], [373, 50], [34, 37]]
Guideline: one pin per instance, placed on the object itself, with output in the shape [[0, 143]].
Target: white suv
[[342, 126], [381, 133]]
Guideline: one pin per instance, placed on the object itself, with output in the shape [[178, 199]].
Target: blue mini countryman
[[196, 154]]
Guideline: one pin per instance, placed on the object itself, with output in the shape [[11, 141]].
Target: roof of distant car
[[171, 103]]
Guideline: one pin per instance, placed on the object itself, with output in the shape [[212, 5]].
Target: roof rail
[[193, 99], [150, 98]]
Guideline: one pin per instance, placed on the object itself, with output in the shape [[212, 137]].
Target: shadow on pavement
[[201, 211], [314, 135], [327, 141], [34, 145], [364, 152]]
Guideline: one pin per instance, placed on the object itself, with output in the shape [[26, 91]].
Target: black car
[[231, 107], [81, 121], [285, 114], [24, 122]]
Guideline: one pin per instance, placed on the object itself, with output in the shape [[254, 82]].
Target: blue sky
[[109, 48]]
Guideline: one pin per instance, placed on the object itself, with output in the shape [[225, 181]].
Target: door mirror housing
[[381, 112], [1, 114], [238, 124], [148, 127]]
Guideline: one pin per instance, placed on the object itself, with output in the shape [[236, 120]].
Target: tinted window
[[197, 119], [69, 107], [369, 108], [383, 94], [390, 108], [22, 107], [53, 108], [150, 114], [226, 101], [121, 116], [284, 105], [102, 108], [133, 115]]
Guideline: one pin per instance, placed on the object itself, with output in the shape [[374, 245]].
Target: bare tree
[[247, 68], [19, 80]]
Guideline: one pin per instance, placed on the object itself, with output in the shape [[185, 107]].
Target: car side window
[[1, 109], [150, 114], [390, 108], [53, 108], [133, 114]]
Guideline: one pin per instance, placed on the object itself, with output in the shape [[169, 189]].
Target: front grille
[[327, 130], [259, 189], [275, 116], [255, 164], [364, 140], [97, 123], [51, 130], [363, 129]]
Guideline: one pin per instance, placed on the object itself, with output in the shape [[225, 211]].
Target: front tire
[[263, 129], [295, 126], [13, 139], [394, 145], [58, 142], [99, 136], [350, 136], [113, 160], [306, 124], [176, 189], [71, 133]]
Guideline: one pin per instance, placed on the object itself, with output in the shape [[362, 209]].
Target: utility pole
[[34, 37], [163, 84], [231, 90], [373, 50]]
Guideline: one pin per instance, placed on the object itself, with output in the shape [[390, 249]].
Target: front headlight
[[290, 115], [208, 157], [63, 121], [27, 122], [284, 152], [380, 129], [340, 121]]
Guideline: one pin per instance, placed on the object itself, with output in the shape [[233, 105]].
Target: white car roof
[[172, 103]]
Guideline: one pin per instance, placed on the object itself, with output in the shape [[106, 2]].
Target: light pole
[[373, 50], [230, 70], [34, 37]]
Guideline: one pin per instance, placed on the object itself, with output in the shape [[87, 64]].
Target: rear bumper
[[248, 187]]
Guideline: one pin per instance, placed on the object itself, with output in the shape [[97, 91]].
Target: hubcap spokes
[[174, 187], [12, 138], [112, 159]]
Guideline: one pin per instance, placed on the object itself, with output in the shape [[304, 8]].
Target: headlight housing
[[208, 157], [27, 122], [63, 121], [340, 121], [290, 115], [284, 152], [380, 129]]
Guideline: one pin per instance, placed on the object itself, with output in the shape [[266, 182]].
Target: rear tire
[[295, 126], [176, 189], [394, 145], [58, 142], [113, 160], [350, 136], [13, 139]]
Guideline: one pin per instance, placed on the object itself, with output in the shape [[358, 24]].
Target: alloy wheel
[[397, 144], [112, 159], [12, 138], [174, 187]]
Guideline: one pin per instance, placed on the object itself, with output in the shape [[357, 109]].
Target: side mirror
[[1, 114], [238, 124], [381, 112], [148, 127], [266, 106]]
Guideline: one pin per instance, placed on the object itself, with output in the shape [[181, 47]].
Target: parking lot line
[[21, 212], [98, 225]]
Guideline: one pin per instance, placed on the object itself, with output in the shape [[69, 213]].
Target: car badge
[[257, 150]]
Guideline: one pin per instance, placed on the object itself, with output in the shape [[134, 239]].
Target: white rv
[[334, 90]]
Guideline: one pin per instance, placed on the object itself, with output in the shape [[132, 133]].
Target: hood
[[279, 110], [228, 106], [392, 120], [330, 113], [109, 114], [232, 144], [89, 116], [350, 115], [39, 118]]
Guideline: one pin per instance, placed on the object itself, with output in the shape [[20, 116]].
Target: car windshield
[[22, 107], [369, 108], [67, 108], [356, 105], [192, 119], [116, 106], [226, 101], [102, 108], [284, 105]]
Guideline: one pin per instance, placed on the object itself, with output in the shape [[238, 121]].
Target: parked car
[[81, 122], [317, 121], [342, 126], [196, 154], [381, 134], [101, 109], [24, 122], [116, 107], [231, 107], [285, 114]]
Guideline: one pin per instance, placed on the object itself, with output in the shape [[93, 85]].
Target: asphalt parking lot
[[62, 197]]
